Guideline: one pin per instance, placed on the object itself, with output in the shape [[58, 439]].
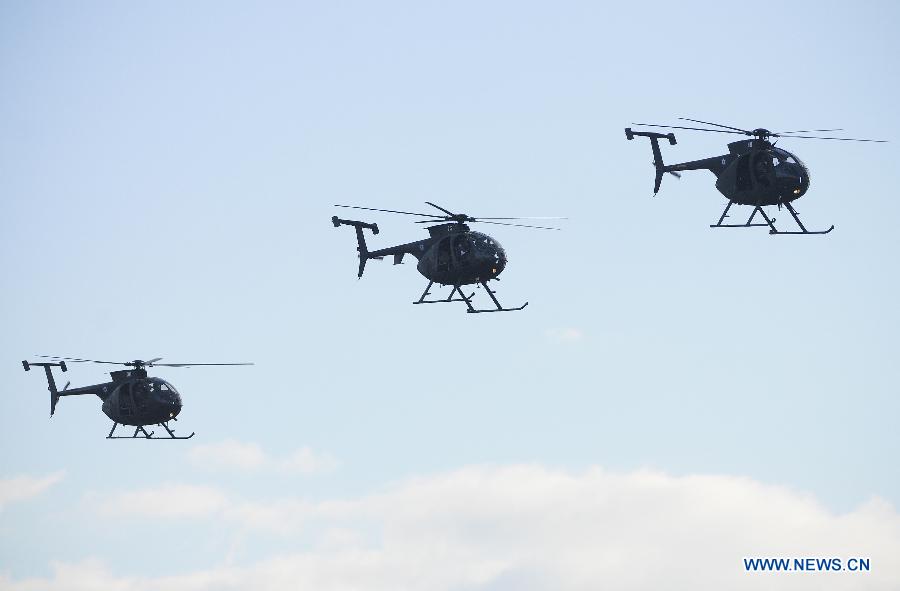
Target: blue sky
[[168, 172]]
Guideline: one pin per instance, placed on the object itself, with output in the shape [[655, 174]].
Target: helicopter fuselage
[[452, 255], [133, 398], [754, 172]]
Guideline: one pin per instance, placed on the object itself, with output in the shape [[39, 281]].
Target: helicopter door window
[[761, 169], [462, 249], [125, 399], [742, 180], [443, 255], [141, 392]]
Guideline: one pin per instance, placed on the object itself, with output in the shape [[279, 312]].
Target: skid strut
[[749, 223], [500, 308], [770, 222], [793, 213], [457, 290], [145, 434]]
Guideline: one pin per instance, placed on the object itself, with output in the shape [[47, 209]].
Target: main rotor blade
[[715, 124], [524, 218], [483, 220], [521, 226], [691, 128], [450, 213], [812, 130], [426, 215], [840, 139], [79, 360], [150, 363], [191, 364]]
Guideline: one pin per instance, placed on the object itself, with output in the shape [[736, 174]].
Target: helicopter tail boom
[[51, 383], [360, 238], [657, 154]]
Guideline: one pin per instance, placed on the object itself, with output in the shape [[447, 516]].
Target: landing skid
[[770, 222], [457, 290], [144, 434]]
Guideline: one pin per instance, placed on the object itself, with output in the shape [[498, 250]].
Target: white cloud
[[21, 488], [168, 500], [565, 335], [532, 528], [237, 455]]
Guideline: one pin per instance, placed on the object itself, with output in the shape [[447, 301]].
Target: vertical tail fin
[[51, 383], [360, 238], [657, 154]]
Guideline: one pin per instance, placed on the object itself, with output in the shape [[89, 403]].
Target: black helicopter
[[131, 398], [754, 172], [452, 255]]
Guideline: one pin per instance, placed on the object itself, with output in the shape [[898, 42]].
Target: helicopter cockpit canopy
[[155, 388], [789, 172], [773, 168], [487, 246], [165, 390], [472, 252]]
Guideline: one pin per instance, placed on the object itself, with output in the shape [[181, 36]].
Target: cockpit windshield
[[780, 156], [483, 244], [791, 176], [158, 385]]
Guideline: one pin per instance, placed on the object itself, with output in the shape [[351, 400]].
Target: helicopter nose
[[499, 262], [790, 178]]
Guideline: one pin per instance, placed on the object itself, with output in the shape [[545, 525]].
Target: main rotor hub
[[762, 134]]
